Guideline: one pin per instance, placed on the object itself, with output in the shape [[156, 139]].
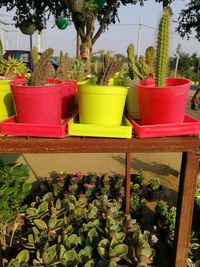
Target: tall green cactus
[[162, 48], [1, 50]]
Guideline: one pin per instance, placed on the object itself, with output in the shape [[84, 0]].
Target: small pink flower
[[146, 232], [79, 174], [155, 228], [49, 179], [74, 179], [56, 184], [88, 186], [61, 178], [81, 196], [71, 188], [122, 192], [106, 180], [154, 239], [107, 188]]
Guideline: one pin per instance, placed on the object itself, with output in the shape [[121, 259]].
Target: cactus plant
[[43, 69], [144, 68], [162, 50], [110, 65]]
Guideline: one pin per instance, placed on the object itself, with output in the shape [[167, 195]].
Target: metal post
[[31, 46], [139, 38], [77, 44], [128, 182], [178, 50]]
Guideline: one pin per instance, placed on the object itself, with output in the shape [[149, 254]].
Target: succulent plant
[[144, 68], [43, 69], [110, 65], [162, 49], [11, 67]]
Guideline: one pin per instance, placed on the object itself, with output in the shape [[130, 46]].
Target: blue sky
[[116, 38]]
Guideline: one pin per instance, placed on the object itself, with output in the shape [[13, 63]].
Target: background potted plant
[[38, 101], [163, 100], [10, 69], [155, 190], [70, 71], [99, 103], [137, 70]]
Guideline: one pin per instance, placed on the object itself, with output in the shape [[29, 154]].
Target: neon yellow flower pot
[[6, 100], [101, 105]]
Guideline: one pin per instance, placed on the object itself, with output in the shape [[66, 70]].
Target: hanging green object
[[100, 4], [62, 23]]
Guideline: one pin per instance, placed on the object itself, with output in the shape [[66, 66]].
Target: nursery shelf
[[12, 127], [75, 128], [190, 126]]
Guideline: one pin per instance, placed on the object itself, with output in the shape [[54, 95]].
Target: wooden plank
[[185, 205], [97, 145]]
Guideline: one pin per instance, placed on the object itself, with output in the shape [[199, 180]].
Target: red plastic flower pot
[[163, 105], [68, 95], [38, 104]]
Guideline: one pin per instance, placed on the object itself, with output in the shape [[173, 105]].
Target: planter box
[[75, 128], [190, 126]]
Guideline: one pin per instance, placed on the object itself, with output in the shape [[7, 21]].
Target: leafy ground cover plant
[[73, 232], [93, 186], [13, 191], [197, 196]]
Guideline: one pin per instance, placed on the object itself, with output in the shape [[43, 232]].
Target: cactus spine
[[162, 48]]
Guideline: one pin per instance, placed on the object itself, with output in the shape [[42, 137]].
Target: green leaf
[[73, 241], [52, 221], [113, 243], [52, 251], [120, 236], [92, 212], [40, 224], [23, 256], [103, 248], [92, 238], [62, 251], [26, 187], [118, 252], [102, 263], [112, 264], [43, 207], [85, 254], [32, 212], [89, 264], [70, 258], [58, 204]]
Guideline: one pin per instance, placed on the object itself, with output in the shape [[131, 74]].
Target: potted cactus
[[163, 100], [70, 71], [38, 100], [101, 103], [10, 69], [137, 70]]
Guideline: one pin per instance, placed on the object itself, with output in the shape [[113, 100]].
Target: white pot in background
[[132, 103]]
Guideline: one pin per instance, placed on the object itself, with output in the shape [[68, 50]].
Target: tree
[[83, 13], [189, 19]]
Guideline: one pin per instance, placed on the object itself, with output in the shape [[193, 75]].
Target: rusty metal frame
[[188, 146]]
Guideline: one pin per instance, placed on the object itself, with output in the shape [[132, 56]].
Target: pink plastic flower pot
[[163, 105], [68, 95], [38, 104]]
